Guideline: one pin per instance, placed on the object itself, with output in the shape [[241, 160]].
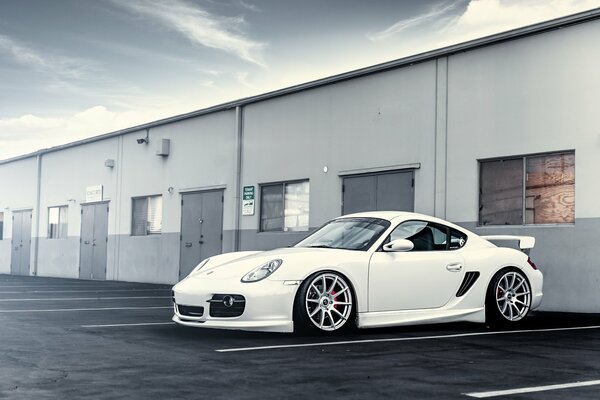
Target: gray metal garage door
[[392, 191], [21, 243], [201, 228], [94, 240]]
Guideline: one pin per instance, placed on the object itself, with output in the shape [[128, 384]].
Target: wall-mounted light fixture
[[109, 163], [163, 148], [170, 190], [145, 140]]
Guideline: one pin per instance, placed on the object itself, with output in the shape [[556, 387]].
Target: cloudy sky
[[71, 69]]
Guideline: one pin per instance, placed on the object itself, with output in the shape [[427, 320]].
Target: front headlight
[[199, 266], [262, 272]]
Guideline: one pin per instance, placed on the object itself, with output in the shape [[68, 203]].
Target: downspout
[[239, 116], [37, 214]]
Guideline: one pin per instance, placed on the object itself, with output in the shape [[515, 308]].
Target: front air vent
[[190, 311], [467, 283], [227, 305]]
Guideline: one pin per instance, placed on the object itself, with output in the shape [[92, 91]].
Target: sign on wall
[[248, 200], [93, 193]]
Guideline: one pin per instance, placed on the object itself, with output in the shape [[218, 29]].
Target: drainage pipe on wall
[[36, 236], [239, 117]]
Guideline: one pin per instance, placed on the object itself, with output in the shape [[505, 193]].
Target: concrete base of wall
[[59, 257], [5, 248]]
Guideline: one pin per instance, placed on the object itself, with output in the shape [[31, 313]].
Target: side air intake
[[470, 279]]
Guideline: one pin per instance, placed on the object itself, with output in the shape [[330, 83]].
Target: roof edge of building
[[485, 41]]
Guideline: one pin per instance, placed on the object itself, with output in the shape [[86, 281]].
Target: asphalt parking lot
[[68, 339]]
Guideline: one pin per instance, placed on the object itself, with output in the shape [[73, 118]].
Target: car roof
[[404, 215], [389, 215]]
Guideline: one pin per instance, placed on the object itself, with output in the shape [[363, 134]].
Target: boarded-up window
[[536, 189], [284, 207], [550, 189], [146, 216], [501, 192]]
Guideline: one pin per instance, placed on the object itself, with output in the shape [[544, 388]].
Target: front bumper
[[269, 304]]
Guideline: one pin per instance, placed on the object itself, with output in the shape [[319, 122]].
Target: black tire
[[325, 311], [508, 298]]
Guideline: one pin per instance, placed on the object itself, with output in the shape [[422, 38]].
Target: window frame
[[260, 205], [449, 230], [3, 214], [147, 198], [66, 233], [523, 158]]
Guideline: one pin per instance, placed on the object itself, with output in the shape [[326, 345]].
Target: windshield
[[347, 233]]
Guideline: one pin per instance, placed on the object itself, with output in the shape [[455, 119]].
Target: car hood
[[296, 261]]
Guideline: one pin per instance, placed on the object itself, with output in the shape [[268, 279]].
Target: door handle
[[201, 242], [86, 242], [454, 267], [188, 245]]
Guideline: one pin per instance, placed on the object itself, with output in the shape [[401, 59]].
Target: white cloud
[[200, 26], [249, 6], [28, 133], [435, 12], [207, 84], [480, 18], [486, 17], [242, 77], [59, 66]]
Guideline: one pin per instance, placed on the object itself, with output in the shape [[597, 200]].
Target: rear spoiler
[[525, 242]]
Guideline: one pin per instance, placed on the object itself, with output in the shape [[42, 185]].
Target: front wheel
[[508, 298], [325, 303]]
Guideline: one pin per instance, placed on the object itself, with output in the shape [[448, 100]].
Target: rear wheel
[[508, 298], [325, 303]]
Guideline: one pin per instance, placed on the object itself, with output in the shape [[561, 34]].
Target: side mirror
[[399, 245]]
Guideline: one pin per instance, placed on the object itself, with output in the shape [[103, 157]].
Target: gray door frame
[[377, 173], [93, 230], [22, 265], [186, 193]]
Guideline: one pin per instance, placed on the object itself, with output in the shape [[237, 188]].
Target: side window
[[428, 236], [457, 239]]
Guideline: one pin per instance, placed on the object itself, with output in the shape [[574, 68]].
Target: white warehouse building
[[500, 135]]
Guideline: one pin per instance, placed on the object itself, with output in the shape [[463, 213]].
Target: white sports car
[[366, 270]]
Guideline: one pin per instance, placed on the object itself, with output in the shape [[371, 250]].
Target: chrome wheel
[[328, 301], [513, 296]]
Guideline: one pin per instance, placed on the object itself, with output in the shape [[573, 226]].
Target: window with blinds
[[536, 189], [284, 206], [146, 216], [57, 222]]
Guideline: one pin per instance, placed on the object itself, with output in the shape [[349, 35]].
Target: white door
[[413, 280], [426, 277]]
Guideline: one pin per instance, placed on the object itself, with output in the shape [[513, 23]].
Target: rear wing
[[526, 243]]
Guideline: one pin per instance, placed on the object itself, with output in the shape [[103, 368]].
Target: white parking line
[[61, 286], [403, 339], [120, 325], [88, 291], [481, 395], [91, 298], [83, 309]]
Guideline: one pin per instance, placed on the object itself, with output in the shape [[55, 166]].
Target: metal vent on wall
[[470, 279]]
